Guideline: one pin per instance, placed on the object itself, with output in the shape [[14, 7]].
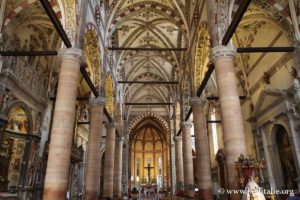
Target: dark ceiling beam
[[148, 82], [147, 104], [227, 37], [217, 98], [265, 49], [202, 87], [78, 98], [94, 90], [28, 53], [208, 121], [59, 28], [89, 81], [145, 49], [213, 122], [235, 21]]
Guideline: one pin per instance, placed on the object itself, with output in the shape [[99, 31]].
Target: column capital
[[71, 53], [111, 125], [177, 139], [198, 101], [97, 101], [221, 51], [119, 139], [186, 124]]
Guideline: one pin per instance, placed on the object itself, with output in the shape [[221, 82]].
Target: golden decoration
[[92, 53], [201, 58], [247, 165], [109, 93]]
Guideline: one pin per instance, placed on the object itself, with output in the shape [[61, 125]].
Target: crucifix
[[148, 169]]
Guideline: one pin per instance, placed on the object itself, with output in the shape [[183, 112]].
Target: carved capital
[[198, 101], [71, 53], [221, 51], [97, 101], [177, 139], [119, 139], [186, 125], [110, 125]]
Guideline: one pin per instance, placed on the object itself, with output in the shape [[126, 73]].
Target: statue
[[5, 99], [247, 168], [266, 78], [253, 191]]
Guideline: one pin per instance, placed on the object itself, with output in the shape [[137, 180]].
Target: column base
[[189, 194], [54, 193], [204, 194]]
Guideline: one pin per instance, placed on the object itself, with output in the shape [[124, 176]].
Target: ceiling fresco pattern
[[147, 24]]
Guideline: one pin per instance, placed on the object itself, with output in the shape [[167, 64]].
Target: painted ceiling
[[147, 24]]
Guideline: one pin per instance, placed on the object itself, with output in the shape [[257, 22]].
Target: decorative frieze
[[71, 53], [221, 51]]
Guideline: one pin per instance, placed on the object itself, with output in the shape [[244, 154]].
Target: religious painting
[[37, 117], [286, 158], [17, 120], [17, 164], [5, 155], [20, 148]]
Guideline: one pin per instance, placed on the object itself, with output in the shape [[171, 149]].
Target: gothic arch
[[141, 117], [27, 3]]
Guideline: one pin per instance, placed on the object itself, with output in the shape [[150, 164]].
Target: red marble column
[[56, 181], [92, 183], [204, 181], [179, 162], [118, 168], [188, 174], [108, 182], [232, 120]]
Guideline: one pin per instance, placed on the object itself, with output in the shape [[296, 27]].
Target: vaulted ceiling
[[147, 24]]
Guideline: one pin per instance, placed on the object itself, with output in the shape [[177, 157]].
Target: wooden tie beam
[[265, 49], [59, 28], [228, 35], [145, 49], [149, 82], [148, 104], [46, 5], [28, 53], [239, 50]]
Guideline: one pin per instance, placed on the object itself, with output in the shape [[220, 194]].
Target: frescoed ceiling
[[148, 24]]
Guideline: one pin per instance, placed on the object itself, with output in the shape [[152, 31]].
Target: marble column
[[118, 168], [203, 172], [108, 176], [187, 152], [223, 58], [56, 181], [92, 183], [179, 162], [125, 161]]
